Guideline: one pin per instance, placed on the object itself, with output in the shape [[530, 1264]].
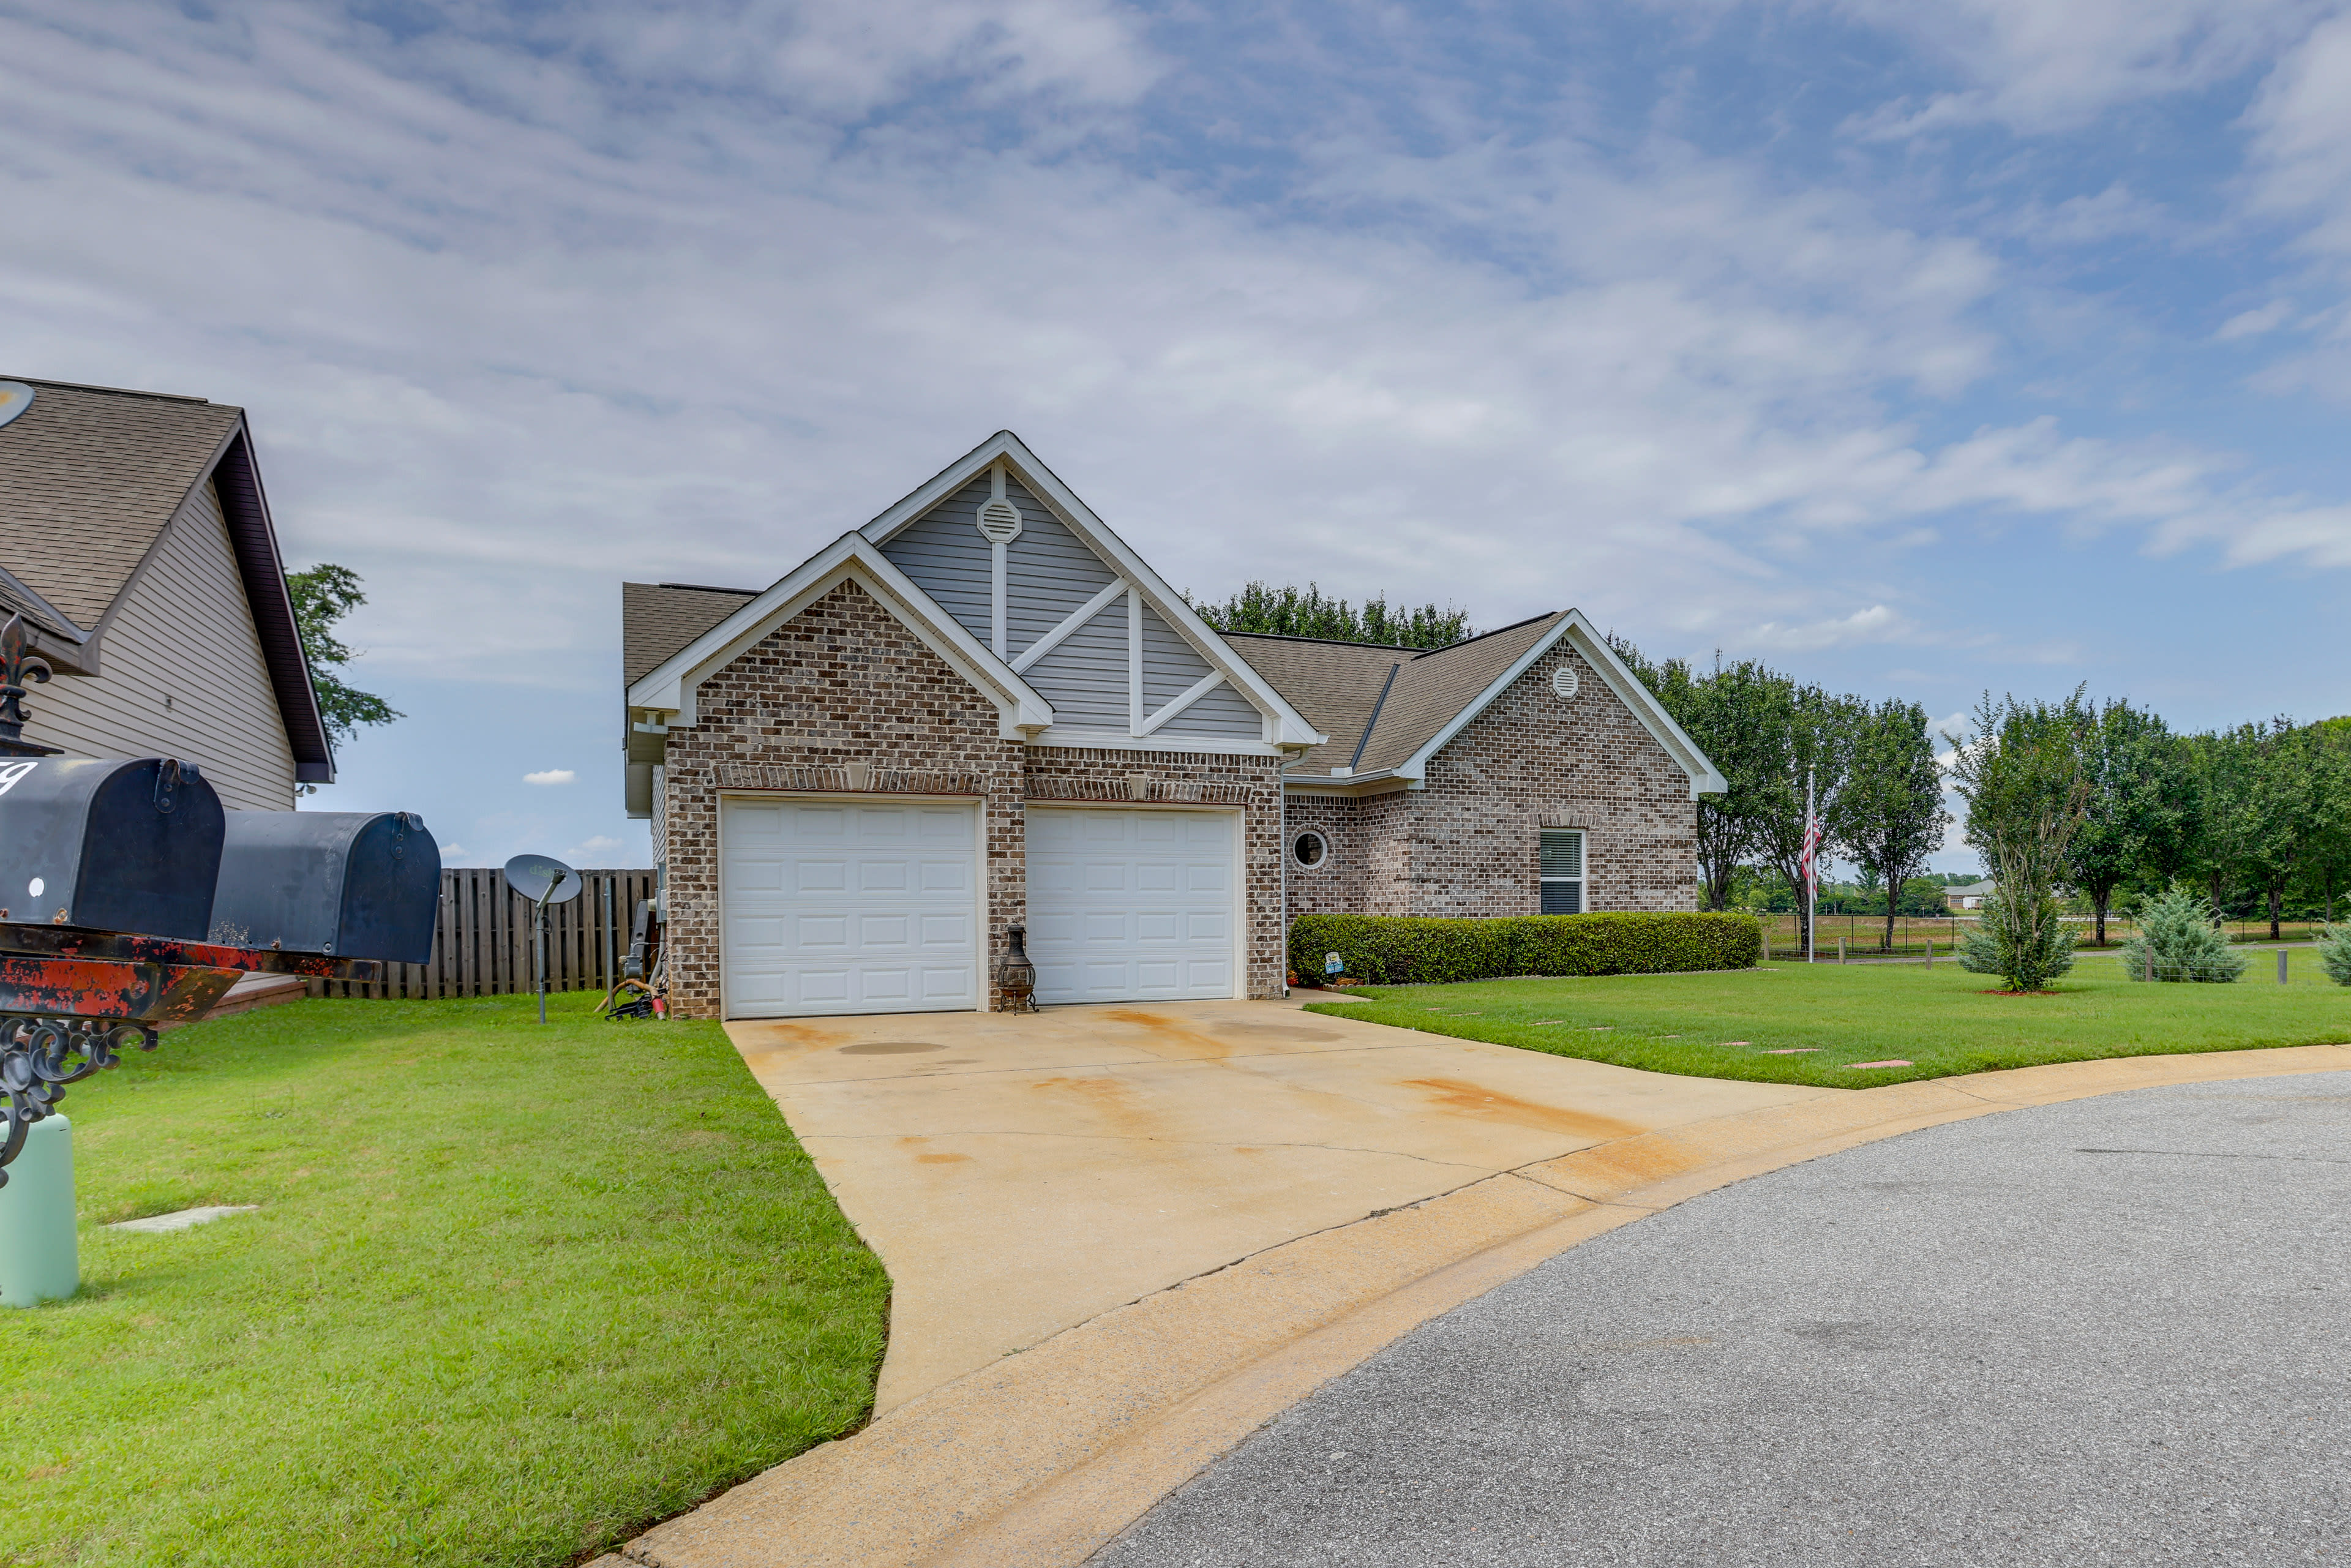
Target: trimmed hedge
[[1400, 950]]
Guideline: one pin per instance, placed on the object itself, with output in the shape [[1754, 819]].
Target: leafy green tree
[[2024, 776], [1741, 716], [1294, 612], [1812, 735], [1889, 814], [2132, 807], [322, 596]]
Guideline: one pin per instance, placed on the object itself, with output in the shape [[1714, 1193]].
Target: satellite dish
[[542, 879], [15, 397]]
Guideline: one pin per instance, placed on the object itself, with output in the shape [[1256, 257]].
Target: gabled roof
[[89, 478], [1389, 727], [658, 619], [1290, 727], [672, 685]]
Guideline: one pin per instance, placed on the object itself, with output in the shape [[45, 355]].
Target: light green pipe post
[[40, 1259]]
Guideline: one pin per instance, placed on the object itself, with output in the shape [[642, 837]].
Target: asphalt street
[[2108, 1332]]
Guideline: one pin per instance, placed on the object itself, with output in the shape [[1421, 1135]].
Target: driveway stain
[[1493, 1105]]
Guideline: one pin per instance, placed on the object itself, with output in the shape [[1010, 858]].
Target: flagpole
[[1812, 867]]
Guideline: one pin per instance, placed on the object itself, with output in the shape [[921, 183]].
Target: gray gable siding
[[1050, 573], [1170, 666], [947, 558], [1085, 677]]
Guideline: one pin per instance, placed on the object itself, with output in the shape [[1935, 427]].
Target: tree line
[[2099, 800]]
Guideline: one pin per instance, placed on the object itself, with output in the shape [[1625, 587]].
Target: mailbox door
[[150, 853], [391, 891]]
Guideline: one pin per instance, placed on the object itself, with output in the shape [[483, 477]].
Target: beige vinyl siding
[[184, 633]]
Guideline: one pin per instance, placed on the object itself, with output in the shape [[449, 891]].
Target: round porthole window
[[1562, 680], [1311, 849]]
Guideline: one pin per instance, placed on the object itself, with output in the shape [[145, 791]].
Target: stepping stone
[[1800, 1050], [184, 1219], [1866, 1066]]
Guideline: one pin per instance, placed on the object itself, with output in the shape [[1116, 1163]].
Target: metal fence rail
[[482, 941]]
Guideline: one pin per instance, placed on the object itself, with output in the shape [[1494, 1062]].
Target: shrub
[[2334, 953], [1400, 950], [2175, 928], [2028, 952]]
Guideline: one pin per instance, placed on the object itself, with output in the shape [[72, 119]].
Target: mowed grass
[[1835, 1018], [512, 1294]]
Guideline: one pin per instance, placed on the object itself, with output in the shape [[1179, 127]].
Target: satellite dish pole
[[544, 880]]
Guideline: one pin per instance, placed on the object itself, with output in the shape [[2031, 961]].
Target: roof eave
[[672, 685]]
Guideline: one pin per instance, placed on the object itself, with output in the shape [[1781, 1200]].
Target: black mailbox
[[128, 846], [355, 884]]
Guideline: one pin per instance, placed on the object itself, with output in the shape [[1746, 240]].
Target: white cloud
[[1876, 624], [2036, 67], [2254, 323], [550, 776], [595, 853]]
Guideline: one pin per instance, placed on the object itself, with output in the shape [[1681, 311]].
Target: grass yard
[[512, 1294], [1834, 1017]]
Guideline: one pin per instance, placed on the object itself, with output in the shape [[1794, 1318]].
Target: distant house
[[135, 540], [1970, 896]]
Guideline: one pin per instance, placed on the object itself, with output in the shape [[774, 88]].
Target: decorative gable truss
[[1579, 633], [666, 693], [1024, 568]]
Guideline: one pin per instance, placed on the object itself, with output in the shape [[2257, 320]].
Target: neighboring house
[[136, 543], [983, 709], [1969, 896]]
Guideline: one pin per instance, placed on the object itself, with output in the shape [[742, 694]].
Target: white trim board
[[1636, 698], [672, 685]]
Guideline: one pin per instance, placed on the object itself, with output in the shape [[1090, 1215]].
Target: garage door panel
[[838, 909], [1131, 904]]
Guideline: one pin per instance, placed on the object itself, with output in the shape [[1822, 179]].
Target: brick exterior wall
[[1469, 843], [843, 684], [843, 699]]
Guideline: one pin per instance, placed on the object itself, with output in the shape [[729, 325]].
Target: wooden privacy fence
[[482, 941]]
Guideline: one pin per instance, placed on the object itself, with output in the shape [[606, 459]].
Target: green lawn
[[1943, 1020], [512, 1294]]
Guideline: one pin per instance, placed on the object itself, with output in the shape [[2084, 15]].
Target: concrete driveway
[[1019, 1174]]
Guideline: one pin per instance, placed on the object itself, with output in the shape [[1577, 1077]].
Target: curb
[[1044, 1457]]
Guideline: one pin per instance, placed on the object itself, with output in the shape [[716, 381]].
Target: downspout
[[1282, 849]]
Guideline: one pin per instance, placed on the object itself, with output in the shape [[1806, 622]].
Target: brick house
[[983, 709]]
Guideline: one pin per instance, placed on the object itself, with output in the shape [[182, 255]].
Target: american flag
[[1810, 864]]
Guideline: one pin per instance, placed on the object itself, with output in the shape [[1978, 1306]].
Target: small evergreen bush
[[2334, 953], [1400, 950], [2027, 953], [2176, 930]]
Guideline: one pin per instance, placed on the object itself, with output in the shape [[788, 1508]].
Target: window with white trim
[[1562, 871], [1311, 849]]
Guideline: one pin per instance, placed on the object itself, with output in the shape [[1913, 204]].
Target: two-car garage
[[833, 905]]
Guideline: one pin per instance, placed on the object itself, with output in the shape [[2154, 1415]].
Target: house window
[[1311, 849], [1562, 871]]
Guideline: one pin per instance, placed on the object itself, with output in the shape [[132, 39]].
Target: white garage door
[[848, 908], [1130, 906]]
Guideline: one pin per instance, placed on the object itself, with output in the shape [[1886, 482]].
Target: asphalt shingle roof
[[1336, 685], [657, 619], [88, 480]]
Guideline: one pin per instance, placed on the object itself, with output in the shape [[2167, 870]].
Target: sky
[[1920, 351]]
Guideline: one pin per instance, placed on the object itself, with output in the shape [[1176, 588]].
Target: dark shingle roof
[[1337, 685], [657, 619], [88, 480]]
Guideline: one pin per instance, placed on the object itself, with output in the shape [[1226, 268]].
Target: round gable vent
[[1563, 681], [1000, 520]]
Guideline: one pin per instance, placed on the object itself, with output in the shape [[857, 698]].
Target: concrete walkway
[[1019, 1174]]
